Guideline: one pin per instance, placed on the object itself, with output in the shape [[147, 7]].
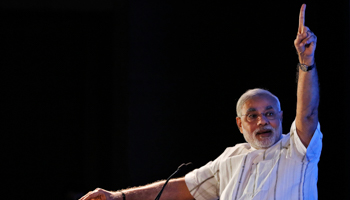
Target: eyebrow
[[253, 109]]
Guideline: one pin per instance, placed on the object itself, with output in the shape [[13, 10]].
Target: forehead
[[260, 103]]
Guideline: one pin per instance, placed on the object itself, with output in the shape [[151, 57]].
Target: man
[[270, 165]]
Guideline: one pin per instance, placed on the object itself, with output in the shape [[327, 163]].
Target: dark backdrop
[[114, 94]]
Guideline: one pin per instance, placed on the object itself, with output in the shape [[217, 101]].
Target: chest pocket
[[262, 176]]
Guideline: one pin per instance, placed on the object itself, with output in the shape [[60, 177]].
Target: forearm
[[307, 104], [307, 93], [176, 189]]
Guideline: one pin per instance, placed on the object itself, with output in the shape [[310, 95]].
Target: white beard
[[266, 142]]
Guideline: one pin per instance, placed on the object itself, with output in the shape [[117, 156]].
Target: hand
[[101, 194], [305, 43]]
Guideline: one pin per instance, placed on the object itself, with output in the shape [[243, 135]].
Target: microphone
[[166, 182]]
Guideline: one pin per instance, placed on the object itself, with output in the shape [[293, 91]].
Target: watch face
[[304, 67]]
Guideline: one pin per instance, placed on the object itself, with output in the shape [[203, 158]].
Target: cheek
[[250, 129], [276, 124]]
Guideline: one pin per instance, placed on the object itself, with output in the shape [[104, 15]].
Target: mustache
[[265, 128]]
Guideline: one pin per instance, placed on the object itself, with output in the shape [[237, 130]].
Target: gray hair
[[249, 94]]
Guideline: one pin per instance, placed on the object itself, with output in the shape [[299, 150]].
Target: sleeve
[[203, 183], [313, 151]]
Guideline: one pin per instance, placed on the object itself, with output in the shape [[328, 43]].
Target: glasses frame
[[262, 114]]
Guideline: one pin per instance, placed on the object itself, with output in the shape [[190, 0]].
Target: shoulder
[[313, 150], [238, 149], [316, 136]]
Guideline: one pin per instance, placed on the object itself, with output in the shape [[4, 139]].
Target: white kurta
[[286, 170]]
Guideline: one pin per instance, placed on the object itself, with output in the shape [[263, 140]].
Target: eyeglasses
[[252, 117]]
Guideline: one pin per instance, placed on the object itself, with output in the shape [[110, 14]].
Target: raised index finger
[[302, 18]]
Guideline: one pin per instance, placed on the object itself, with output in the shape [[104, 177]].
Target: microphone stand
[[166, 182]]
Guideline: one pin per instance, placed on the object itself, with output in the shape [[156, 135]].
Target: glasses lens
[[270, 115], [254, 116]]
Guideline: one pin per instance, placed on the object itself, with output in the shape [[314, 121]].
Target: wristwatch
[[306, 68]]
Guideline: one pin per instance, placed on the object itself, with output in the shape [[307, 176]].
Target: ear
[[281, 115], [239, 124]]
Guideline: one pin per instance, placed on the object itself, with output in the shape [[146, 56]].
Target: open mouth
[[264, 133]]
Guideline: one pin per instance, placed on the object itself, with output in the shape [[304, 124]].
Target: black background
[[114, 94]]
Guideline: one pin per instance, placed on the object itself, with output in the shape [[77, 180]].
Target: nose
[[262, 120]]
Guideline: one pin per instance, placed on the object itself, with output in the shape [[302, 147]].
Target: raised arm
[[308, 89], [176, 189]]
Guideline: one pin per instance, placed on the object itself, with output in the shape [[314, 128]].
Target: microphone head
[[184, 164]]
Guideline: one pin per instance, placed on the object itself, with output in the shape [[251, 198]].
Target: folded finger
[[305, 29], [310, 39], [84, 197], [92, 196], [300, 38]]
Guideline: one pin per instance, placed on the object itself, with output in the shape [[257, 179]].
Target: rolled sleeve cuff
[[202, 183], [313, 151]]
